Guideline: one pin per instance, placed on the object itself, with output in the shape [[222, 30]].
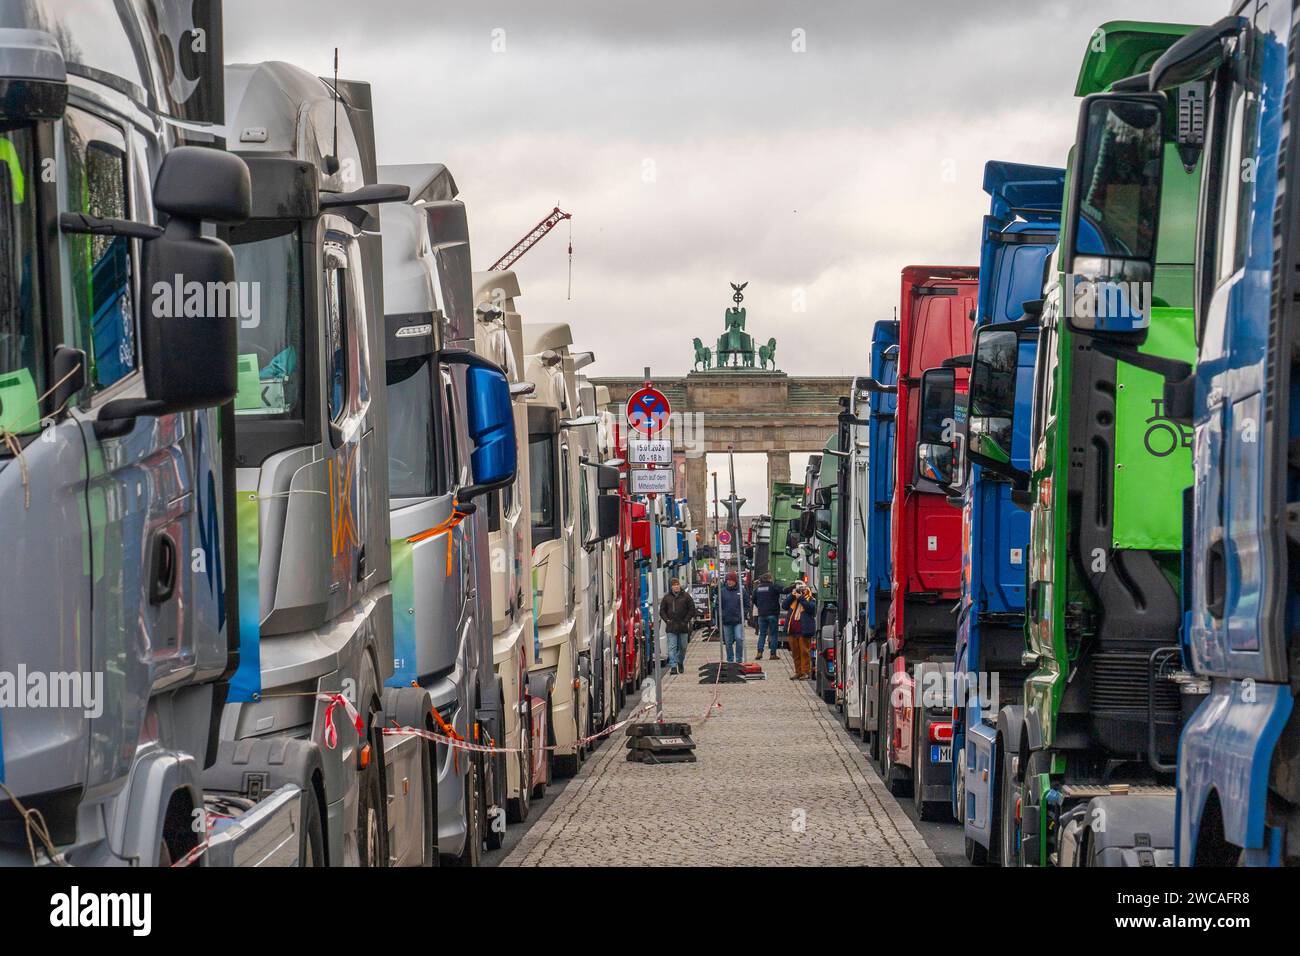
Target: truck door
[[1239, 585], [140, 480], [47, 553]]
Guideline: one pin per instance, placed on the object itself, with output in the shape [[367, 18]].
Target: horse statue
[[703, 354], [767, 353]]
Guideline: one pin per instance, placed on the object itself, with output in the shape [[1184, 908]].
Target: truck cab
[[117, 472], [560, 671], [869, 653], [440, 508], [1018, 236], [499, 337], [934, 325], [1237, 797], [1096, 734]]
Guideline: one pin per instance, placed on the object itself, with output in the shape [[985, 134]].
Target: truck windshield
[[541, 471], [412, 433], [21, 378], [270, 288]]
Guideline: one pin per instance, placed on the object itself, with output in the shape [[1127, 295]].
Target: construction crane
[[516, 252]]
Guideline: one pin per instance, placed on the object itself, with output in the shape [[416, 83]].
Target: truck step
[[1086, 791]]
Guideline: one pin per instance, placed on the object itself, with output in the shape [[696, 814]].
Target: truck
[[935, 310], [783, 562], [1237, 797], [875, 510], [499, 337], [827, 519], [117, 476], [1088, 754], [1017, 238], [570, 514], [442, 521]]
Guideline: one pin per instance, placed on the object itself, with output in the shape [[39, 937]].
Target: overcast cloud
[[694, 147]]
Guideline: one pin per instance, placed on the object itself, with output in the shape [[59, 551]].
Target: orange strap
[[443, 527]]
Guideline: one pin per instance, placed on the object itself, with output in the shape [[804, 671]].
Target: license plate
[[940, 753]]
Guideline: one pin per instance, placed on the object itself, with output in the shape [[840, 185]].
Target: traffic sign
[[650, 451], [645, 481], [648, 411], [724, 537]]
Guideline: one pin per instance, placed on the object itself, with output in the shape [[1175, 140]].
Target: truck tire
[[372, 833], [1008, 850], [517, 807], [472, 853], [494, 832], [976, 855], [311, 846]]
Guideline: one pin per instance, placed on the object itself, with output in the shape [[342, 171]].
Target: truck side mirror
[[607, 512], [1114, 214], [992, 401], [190, 359], [491, 425], [938, 434], [607, 477]]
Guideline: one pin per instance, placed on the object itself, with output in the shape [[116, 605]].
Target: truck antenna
[[332, 160]]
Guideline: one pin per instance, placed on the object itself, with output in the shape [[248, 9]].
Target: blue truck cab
[[1238, 785], [883, 389], [1017, 239]]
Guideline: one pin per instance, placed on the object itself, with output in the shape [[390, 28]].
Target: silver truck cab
[[116, 476], [438, 510], [311, 482]]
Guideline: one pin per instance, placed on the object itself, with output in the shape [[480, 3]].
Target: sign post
[[648, 414]]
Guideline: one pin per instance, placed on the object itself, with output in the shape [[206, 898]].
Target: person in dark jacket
[[801, 602], [767, 604], [735, 608], [677, 610]]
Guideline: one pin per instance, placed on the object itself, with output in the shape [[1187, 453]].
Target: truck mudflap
[[269, 834], [411, 778], [1134, 829]]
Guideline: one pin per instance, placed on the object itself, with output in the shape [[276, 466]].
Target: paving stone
[[778, 782]]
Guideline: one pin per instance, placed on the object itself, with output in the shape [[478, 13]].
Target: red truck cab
[[936, 312]]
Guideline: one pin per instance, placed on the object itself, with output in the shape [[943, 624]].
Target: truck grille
[[1119, 682]]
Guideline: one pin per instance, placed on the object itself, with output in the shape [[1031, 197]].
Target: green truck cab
[[1086, 774]]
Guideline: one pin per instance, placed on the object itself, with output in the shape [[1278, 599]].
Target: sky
[[809, 148]]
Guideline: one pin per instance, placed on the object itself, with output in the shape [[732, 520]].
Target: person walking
[[734, 610], [677, 610], [801, 603], [767, 604]]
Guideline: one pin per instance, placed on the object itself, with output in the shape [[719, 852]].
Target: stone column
[[778, 469], [698, 492]]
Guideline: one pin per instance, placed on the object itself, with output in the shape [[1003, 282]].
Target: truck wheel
[[919, 720], [311, 846], [371, 833], [517, 807], [472, 854], [1008, 844]]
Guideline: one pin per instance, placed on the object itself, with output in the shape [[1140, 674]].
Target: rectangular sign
[[650, 451], [656, 482]]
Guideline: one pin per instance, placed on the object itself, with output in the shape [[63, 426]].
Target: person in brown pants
[[801, 604]]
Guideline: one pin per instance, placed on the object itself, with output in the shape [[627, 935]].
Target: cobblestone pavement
[[778, 783]]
